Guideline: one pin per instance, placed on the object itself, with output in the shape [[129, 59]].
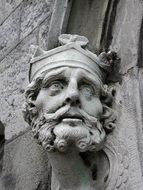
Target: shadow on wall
[[140, 47], [2, 140]]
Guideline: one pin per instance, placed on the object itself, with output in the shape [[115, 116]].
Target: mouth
[[73, 119]]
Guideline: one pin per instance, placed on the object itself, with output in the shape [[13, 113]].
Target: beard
[[69, 127]]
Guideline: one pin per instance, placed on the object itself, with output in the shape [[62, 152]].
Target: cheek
[[47, 103], [93, 107]]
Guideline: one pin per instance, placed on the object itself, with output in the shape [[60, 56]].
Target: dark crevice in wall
[[140, 47], [140, 65], [108, 25], [2, 135], [45, 184], [2, 141], [105, 25]]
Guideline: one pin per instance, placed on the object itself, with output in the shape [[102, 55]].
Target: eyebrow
[[90, 77], [53, 74], [82, 75]]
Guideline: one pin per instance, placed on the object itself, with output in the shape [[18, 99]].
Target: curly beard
[[55, 133]]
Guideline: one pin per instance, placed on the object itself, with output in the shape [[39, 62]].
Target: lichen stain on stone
[[82, 174]]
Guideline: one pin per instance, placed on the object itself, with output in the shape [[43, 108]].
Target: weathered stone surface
[[126, 36], [28, 16], [140, 131], [59, 21], [132, 131], [6, 7], [14, 67], [126, 32], [34, 12], [25, 165], [9, 33], [13, 77], [125, 137], [43, 30], [90, 14]]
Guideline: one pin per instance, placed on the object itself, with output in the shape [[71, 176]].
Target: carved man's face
[[75, 87], [69, 100]]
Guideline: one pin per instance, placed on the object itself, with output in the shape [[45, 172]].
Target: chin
[[76, 134], [61, 134]]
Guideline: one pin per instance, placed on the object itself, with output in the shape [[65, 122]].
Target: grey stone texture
[[126, 32], [16, 36], [33, 13], [25, 165], [126, 40], [7, 7], [13, 69], [88, 13], [23, 23], [26, 22], [9, 33]]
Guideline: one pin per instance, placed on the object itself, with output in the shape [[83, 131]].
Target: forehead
[[72, 72]]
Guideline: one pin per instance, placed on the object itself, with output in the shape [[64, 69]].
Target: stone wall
[[22, 23], [126, 41]]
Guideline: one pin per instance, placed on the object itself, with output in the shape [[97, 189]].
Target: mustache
[[67, 111], [56, 115]]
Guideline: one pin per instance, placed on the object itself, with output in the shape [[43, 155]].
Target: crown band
[[70, 55]]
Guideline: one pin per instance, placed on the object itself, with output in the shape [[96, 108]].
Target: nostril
[[72, 99], [68, 100], [77, 102], [79, 106]]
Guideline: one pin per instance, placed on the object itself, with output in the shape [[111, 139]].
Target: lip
[[72, 121], [71, 117]]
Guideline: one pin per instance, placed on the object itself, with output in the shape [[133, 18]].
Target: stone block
[[25, 165], [9, 33], [34, 12], [131, 91], [6, 7], [126, 32], [13, 80]]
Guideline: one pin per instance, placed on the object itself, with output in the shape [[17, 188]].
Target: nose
[[72, 94]]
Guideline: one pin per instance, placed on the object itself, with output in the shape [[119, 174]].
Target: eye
[[87, 90], [54, 88]]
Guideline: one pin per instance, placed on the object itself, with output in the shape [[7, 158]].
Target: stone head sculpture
[[67, 102]]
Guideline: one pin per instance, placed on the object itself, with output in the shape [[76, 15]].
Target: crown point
[[69, 38]]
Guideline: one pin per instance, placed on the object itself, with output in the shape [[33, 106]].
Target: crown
[[73, 52]]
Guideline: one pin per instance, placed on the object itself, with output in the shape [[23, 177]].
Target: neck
[[69, 172]]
